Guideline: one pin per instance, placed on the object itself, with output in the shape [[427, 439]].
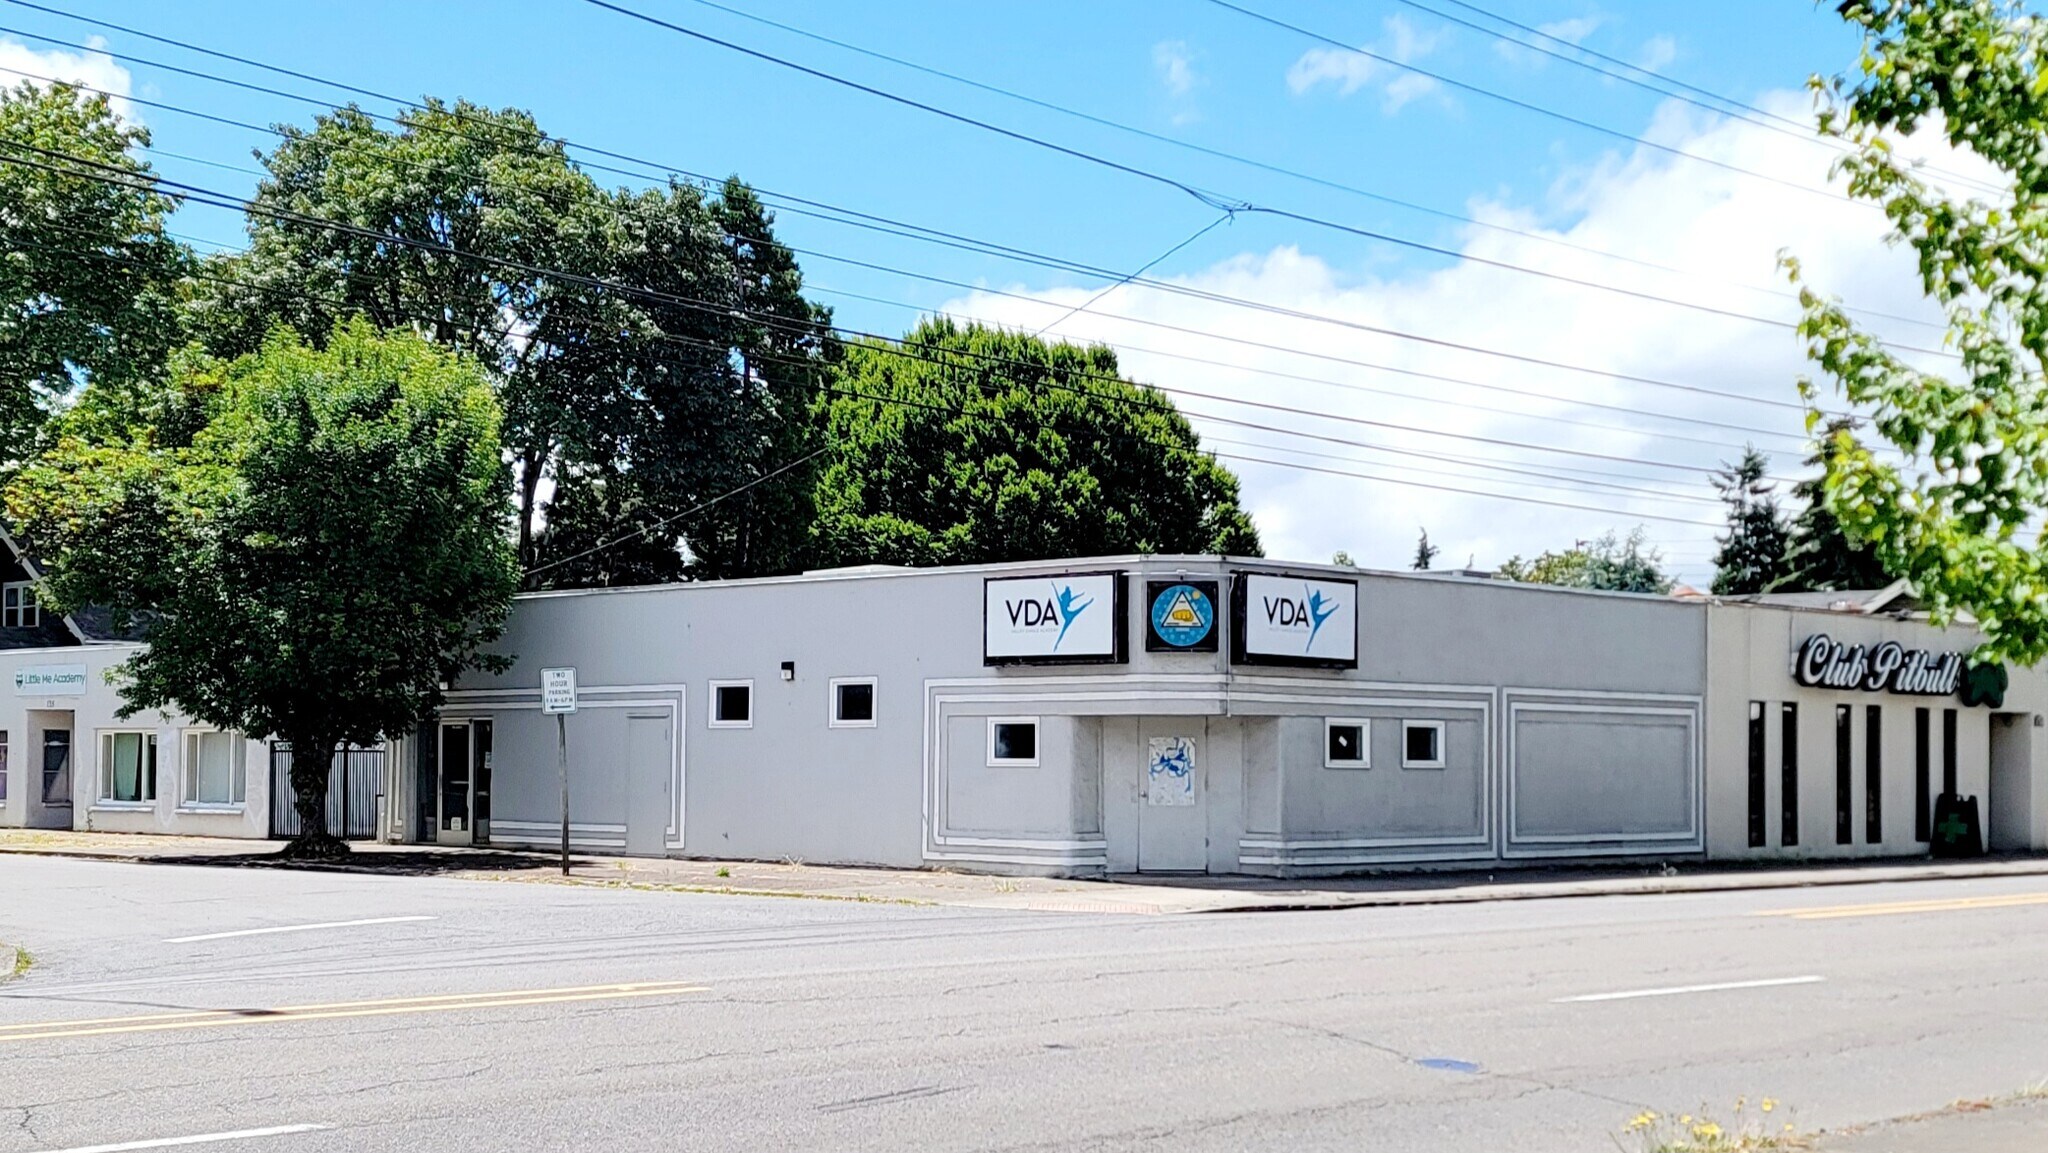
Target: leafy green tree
[[1818, 554], [1958, 515], [653, 340], [982, 445], [1752, 553], [1612, 563], [1342, 557], [89, 279], [1425, 553], [313, 563]]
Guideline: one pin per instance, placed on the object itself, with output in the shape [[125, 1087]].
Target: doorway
[[649, 803], [52, 768], [1173, 804], [463, 798], [2009, 815]]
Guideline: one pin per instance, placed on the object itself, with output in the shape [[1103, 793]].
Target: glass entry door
[[464, 816]]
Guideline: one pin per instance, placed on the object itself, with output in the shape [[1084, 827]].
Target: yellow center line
[[1901, 908], [163, 1022]]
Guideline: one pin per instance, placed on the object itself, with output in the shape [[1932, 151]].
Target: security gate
[[355, 783]]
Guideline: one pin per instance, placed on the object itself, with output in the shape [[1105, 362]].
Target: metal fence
[[355, 784]]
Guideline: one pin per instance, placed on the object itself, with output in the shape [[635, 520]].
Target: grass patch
[[18, 966], [1763, 1129]]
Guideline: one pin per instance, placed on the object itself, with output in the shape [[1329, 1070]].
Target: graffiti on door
[[1170, 771]]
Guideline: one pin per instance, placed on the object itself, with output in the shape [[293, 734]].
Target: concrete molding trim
[[1691, 840]]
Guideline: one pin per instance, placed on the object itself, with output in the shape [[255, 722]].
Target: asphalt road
[[448, 1015]]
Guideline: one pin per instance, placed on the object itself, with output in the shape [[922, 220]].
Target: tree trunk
[[312, 763]]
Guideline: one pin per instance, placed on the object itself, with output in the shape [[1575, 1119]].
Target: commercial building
[[1204, 714]]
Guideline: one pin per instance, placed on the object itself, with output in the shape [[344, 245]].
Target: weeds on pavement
[[1763, 1129]]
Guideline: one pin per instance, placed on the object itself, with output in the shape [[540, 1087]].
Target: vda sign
[[1294, 620], [1050, 619]]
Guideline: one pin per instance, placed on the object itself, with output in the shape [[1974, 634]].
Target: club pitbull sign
[[1825, 663], [1064, 618]]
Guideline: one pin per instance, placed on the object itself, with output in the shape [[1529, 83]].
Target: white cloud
[[1719, 226], [1572, 31], [1350, 71], [18, 62], [1175, 65], [1656, 52]]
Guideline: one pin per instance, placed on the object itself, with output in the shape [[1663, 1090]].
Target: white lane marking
[[1767, 983], [195, 1139], [291, 929]]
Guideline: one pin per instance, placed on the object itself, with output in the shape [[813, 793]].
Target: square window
[[1422, 744], [214, 769], [732, 704], [18, 605], [853, 702], [1013, 741], [1347, 743], [128, 768]]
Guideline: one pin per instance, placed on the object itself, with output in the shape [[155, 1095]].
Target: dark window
[[1873, 775], [1345, 744], [853, 703], [1422, 745], [1756, 774], [1948, 751], [1845, 781], [733, 704], [1923, 774], [1788, 772], [1013, 741]]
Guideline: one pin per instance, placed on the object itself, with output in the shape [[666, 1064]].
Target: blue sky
[[1186, 69]]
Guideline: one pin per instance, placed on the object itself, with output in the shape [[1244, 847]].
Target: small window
[[215, 772], [853, 703], [1422, 744], [18, 607], [1347, 744], [1013, 741], [128, 768], [732, 704]]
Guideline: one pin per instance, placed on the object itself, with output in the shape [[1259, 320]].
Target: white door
[[1173, 810], [649, 803]]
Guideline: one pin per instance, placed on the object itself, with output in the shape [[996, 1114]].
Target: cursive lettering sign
[[1826, 663]]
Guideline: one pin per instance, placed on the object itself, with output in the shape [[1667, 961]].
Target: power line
[[1184, 290], [1212, 199], [1143, 269], [112, 174]]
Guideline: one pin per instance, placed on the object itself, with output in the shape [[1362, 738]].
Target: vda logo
[[1304, 613], [1058, 609]]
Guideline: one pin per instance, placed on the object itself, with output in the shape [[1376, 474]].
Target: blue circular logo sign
[[1183, 616]]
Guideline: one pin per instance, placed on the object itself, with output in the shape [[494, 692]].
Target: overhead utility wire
[[1235, 158], [1141, 270], [1213, 200], [1188, 291], [961, 412], [1575, 54], [1394, 333], [941, 360], [1159, 137], [1504, 98]]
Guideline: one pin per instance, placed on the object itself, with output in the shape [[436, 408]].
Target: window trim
[[1439, 761], [1364, 727], [104, 776], [188, 764], [711, 705], [1031, 762], [26, 601], [832, 702]]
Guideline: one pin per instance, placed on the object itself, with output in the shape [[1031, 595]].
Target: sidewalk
[[1140, 895], [1971, 1127]]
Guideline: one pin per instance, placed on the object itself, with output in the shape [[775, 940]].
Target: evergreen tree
[[1425, 553], [1819, 554], [1752, 554]]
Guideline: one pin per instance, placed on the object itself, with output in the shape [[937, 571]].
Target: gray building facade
[[1133, 714]]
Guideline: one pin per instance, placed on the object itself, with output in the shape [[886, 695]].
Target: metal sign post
[[558, 699]]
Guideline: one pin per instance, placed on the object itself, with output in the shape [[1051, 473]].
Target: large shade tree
[[966, 444], [1949, 483], [651, 348], [88, 276], [315, 540], [1610, 563]]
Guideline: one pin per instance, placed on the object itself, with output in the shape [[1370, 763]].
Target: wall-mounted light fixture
[[789, 670]]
